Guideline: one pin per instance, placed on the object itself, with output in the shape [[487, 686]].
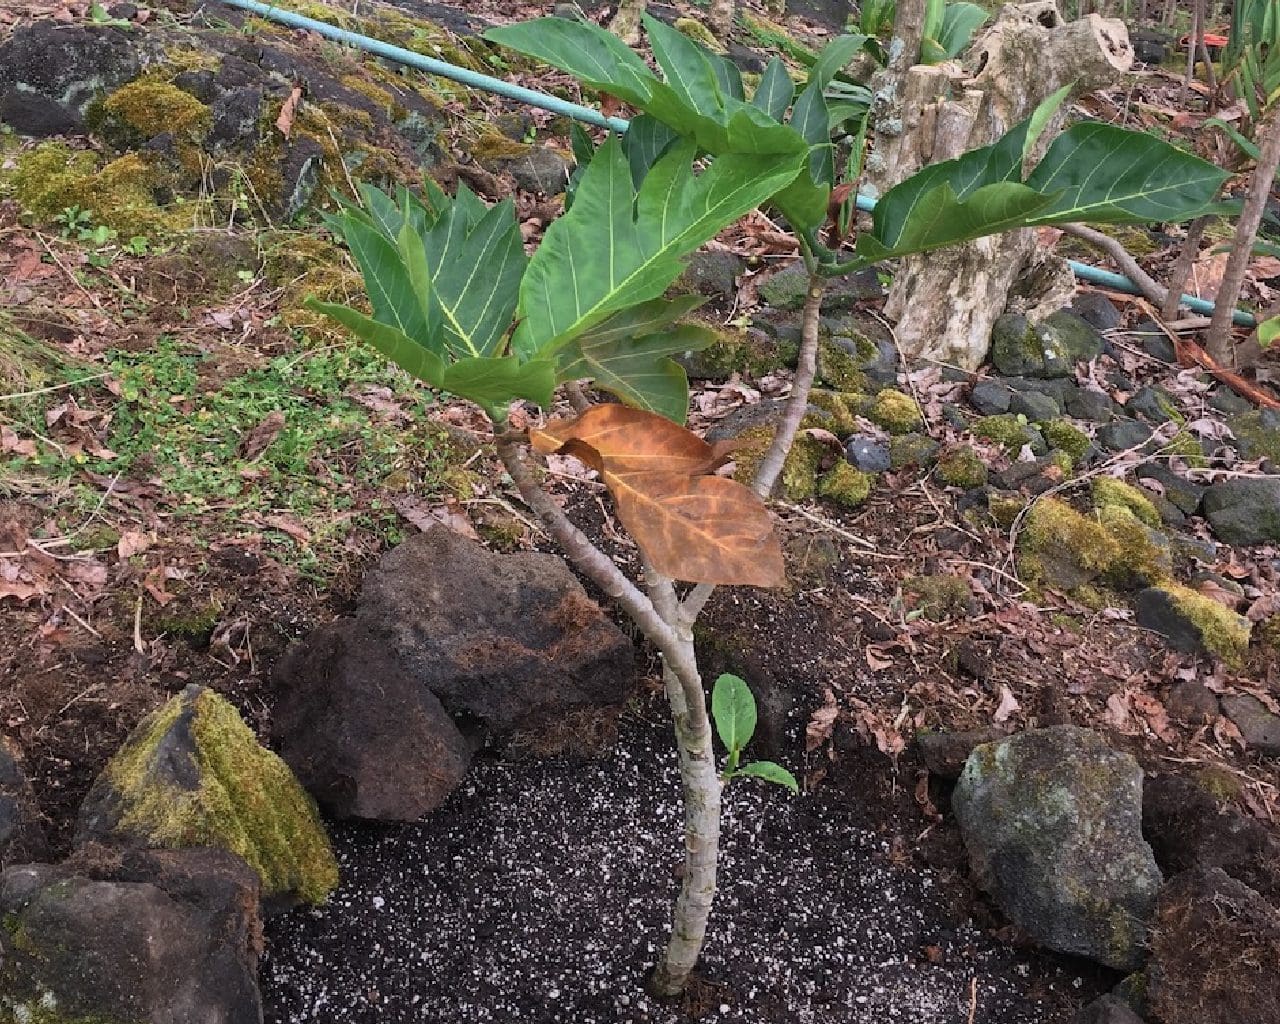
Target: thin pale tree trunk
[[1181, 271], [626, 21], [721, 16], [1219, 344]]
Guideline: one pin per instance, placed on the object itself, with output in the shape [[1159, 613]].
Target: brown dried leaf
[[132, 542], [287, 111], [260, 437], [690, 526], [1008, 705], [20, 591]]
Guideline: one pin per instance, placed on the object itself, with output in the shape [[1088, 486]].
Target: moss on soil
[[939, 596], [247, 800]]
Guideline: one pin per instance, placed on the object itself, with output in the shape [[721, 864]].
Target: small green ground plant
[[458, 304]]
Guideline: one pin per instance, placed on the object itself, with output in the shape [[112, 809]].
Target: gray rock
[[1095, 309], [1226, 401], [506, 642], [1169, 513], [832, 13], [50, 73], [364, 737], [540, 169], [1245, 510], [22, 836], [1156, 343], [1259, 727], [1154, 404], [913, 450], [1189, 827], [1156, 609], [1196, 548], [1215, 944], [1052, 822], [155, 935], [758, 414], [1257, 435], [1077, 340], [1036, 407], [1192, 702], [944, 753], [712, 273], [787, 289], [1177, 489], [1056, 389], [1107, 1010], [1087, 404], [1123, 435], [867, 454], [990, 397]]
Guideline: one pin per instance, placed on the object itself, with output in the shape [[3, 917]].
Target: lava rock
[[1215, 946], [1245, 510], [1122, 435], [1095, 309], [1149, 46], [1192, 702], [1259, 727], [867, 454], [50, 73], [990, 397], [1182, 492], [506, 642], [1257, 435], [1036, 407], [788, 287], [1108, 1009], [1155, 342], [1052, 822], [540, 169], [1087, 404], [364, 737], [1154, 404], [154, 935], [1189, 826], [944, 753], [192, 774], [913, 450], [832, 13], [1191, 622], [1224, 400], [22, 836], [713, 274]]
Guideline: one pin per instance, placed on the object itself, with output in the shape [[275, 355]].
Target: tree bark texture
[[721, 15], [946, 302], [626, 21], [1219, 344]]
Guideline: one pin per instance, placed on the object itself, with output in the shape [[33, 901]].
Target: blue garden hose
[[532, 98]]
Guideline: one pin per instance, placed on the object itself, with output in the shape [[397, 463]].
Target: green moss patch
[[896, 412], [938, 596], [146, 108], [246, 799], [846, 486], [1111, 493], [961, 467], [1065, 436], [1062, 548], [1010, 432]]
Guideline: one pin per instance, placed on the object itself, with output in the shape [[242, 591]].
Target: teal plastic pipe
[[432, 66], [532, 98]]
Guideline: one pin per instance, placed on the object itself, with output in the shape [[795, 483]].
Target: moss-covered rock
[[799, 478], [1257, 434], [146, 108], [1005, 508], [1062, 548], [1010, 432], [1144, 555], [845, 485], [1065, 436], [838, 368], [912, 450], [699, 33], [960, 466], [843, 407], [1110, 492], [896, 412], [192, 774], [752, 353], [1184, 445], [306, 266], [1192, 622]]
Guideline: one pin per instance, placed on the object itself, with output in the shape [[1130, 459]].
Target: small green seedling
[[734, 710]]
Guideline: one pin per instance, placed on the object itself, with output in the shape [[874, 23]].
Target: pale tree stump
[[946, 302]]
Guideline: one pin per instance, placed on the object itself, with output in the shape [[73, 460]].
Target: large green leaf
[[645, 142], [776, 90], [1104, 174], [686, 67], [492, 382], [629, 354], [616, 247], [474, 260], [393, 343]]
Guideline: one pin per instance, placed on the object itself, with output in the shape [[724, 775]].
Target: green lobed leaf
[[959, 22], [617, 247], [775, 92], [685, 66], [493, 381], [1104, 174], [770, 772], [391, 342], [628, 355], [644, 143], [734, 710]]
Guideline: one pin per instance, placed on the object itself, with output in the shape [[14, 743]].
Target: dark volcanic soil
[[540, 893]]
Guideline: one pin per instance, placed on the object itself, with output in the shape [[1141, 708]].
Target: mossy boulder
[[1052, 820], [1257, 434], [1048, 349], [1011, 433], [845, 485], [748, 351], [1192, 622], [1245, 510], [918, 450], [1110, 492], [1062, 548], [146, 108], [895, 412], [798, 480], [961, 466], [699, 33], [192, 774], [1067, 437], [1144, 554]]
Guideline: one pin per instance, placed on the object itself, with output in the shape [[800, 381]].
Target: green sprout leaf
[[1269, 332], [734, 710], [770, 772]]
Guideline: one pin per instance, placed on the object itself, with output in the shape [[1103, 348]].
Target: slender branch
[[1152, 291], [577, 397], [1182, 267], [1218, 342], [806, 367]]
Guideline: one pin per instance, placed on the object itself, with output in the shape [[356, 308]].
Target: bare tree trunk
[[626, 21], [721, 16], [1170, 9], [1260, 183], [1191, 58], [1181, 271], [908, 34], [946, 302]]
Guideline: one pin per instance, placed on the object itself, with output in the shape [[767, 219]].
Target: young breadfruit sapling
[[734, 710]]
